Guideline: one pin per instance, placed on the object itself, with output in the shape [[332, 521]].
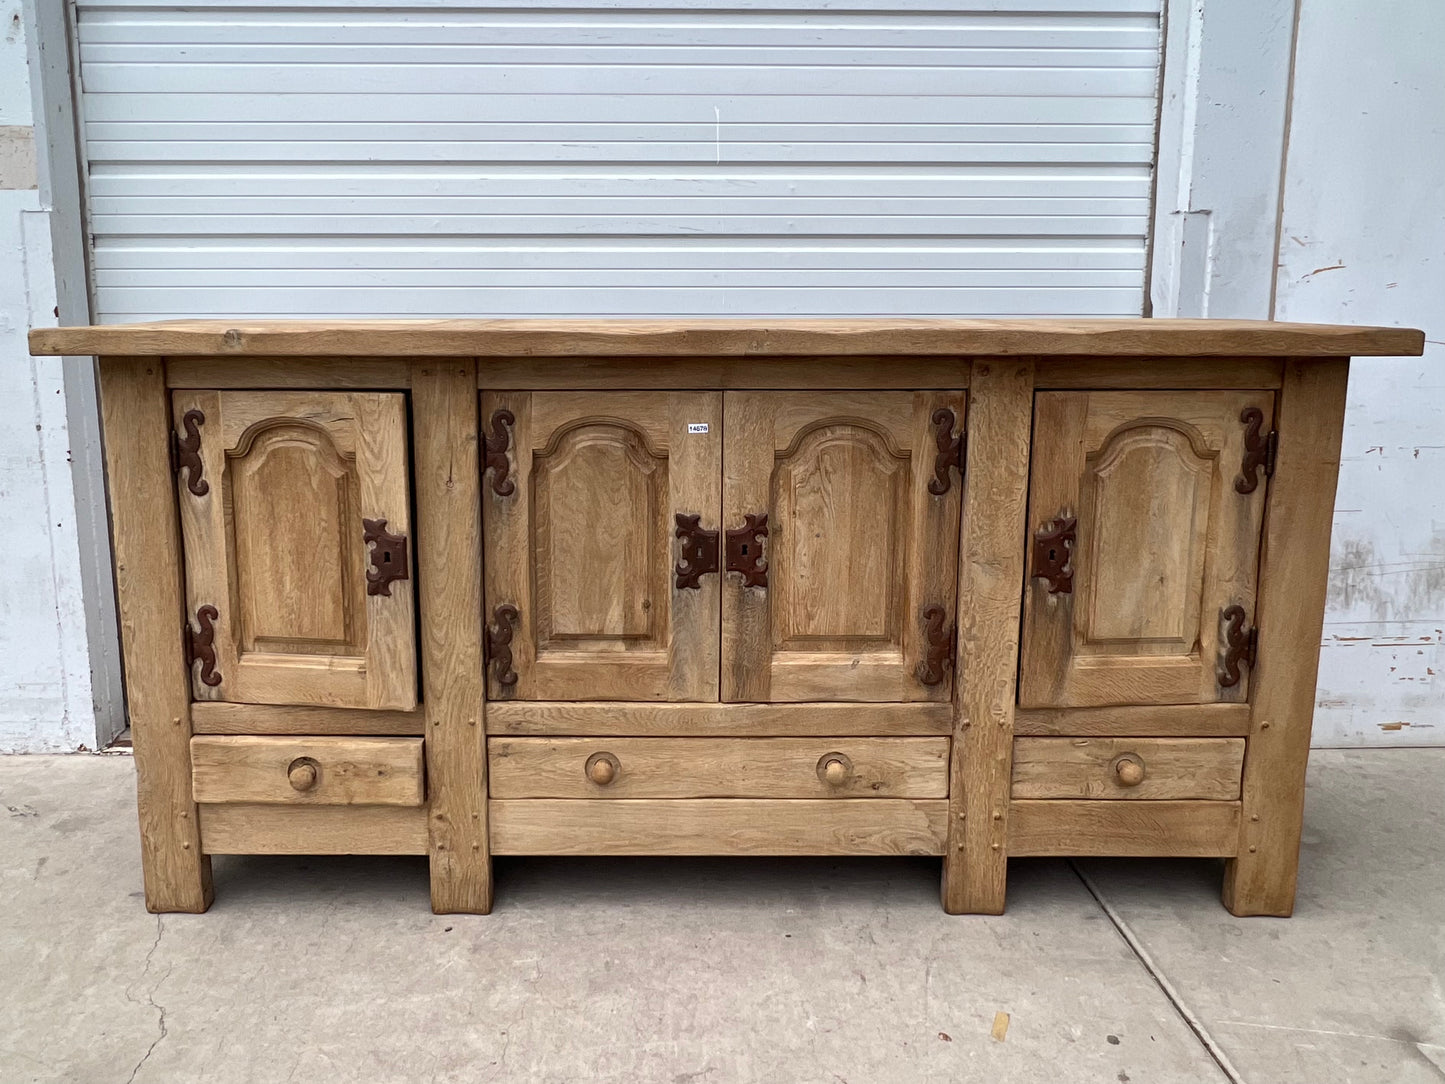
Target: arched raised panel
[[295, 525], [601, 545], [841, 495], [1145, 528]]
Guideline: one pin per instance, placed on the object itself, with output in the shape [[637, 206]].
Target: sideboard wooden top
[[727, 337]]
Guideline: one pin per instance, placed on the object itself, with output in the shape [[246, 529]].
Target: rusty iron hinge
[[1240, 646], [745, 553], [1054, 554], [494, 451], [699, 551], [186, 453], [499, 644], [1260, 450], [201, 646], [941, 645], [388, 555], [950, 451]]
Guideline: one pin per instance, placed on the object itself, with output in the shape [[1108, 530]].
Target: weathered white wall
[[1363, 241], [45, 687]]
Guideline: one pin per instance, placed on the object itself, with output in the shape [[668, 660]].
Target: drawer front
[[718, 767], [1138, 768], [308, 771]]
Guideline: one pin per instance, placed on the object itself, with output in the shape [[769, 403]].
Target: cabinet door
[[581, 498], [288, 543], [858, 597], [1163, 544]]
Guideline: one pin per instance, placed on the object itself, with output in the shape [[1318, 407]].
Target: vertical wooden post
[[1294, 571], [136, 420], [990, 592], [449, 574]]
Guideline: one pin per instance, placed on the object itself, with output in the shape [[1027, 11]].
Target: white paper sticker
[[697, 427]]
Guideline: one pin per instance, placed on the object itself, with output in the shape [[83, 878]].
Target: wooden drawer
[[718, 767], [308, 771], [1139, 768]]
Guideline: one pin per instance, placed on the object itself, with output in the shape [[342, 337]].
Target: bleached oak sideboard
[[975, 589]]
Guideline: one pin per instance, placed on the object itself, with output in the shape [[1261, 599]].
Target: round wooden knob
[[303, 772], [834, 769], [602, 768], [1128, 770]]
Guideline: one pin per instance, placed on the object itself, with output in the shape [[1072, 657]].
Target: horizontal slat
[[1193, 720], [1123, 829], [299, 9], [720, 826], [904, 373], [519, 717], [344, 771], [217, 717], [1200, 768], [279, 829], [718, 767], [222, 372]]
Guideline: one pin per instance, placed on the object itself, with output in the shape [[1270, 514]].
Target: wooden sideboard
[[976, 589]]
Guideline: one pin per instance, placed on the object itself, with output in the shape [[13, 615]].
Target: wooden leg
[[991, 577], [136, 415], [1294, 571], [449, 575]]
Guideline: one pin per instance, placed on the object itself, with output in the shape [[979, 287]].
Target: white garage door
[[573, 157]]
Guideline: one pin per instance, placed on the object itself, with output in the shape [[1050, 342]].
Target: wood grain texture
[[717, 720], [718, 826], [1123, 829], [1202, 768], [1155, 338], [281, 372], [145, 538], [1163, 545], [276, 544], [346, 771], [217, 717], [1192, 720], [449, 567], [321, 829], [990, 578], [719, 767], [904, 372], [1096, 373], [1290, 615]]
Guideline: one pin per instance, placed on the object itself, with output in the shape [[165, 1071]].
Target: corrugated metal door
[[574, 157]]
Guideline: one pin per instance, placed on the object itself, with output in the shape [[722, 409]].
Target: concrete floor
[[690, 971]]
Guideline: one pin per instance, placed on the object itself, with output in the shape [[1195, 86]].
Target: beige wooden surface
[[1295, 564], [1123, 372], [719, 767], [718, 720], [218, 717], [1152, 338], [723, 373], [276, 545], [145, 541], [320, 829], [1196, 720], [1125, 829], [302, 373], [722, 826], [1203, 768], [990, 576], [1144, 473], [344, 771], [857, 545], [449, 566], [585, 545]]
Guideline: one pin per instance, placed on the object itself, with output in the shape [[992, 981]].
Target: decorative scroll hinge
[[745, 553], [699, 551], [499, 644], [950, 451], [1054, 554], [201, 646], [186, 453], [940, 645], [389, 561], [1260, 450], [1240, 646], [494, 452]]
